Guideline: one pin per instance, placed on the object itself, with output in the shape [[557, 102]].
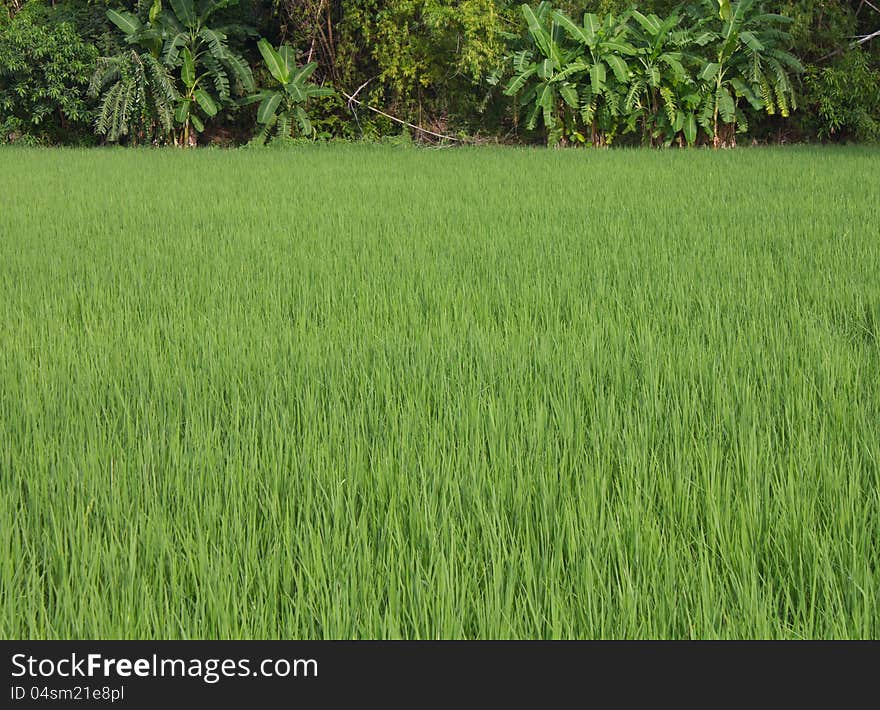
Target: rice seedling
[[363, 392]]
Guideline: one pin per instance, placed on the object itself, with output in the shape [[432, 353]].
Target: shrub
[[846, 98], [44, 74]]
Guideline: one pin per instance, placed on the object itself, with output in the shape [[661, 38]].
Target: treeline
[[577, 72]]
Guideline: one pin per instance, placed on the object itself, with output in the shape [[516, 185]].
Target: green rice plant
[[388, 395]]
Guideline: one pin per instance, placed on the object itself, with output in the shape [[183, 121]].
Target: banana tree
[[604, 69], [281, 107], [198, 51], [137, 93], [543, 76], [210, 70], [749, 64], [661, 92], [137, 98], [194, 94]]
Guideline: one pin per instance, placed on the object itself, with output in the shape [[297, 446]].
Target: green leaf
[[241, 70], [209, 7], [182, 111], [571, 69], [665, 27], [319, 91], [274, 62], [519, 81], [304, 73], [216, 42], [691, 100], [787, 59], [295, 92], [188, 69], [185, 11], [522, 60], [155, 9], [263, 133], [569, 95], [546, 99], [532, 120], [208, 104], [282, 131], [527, 96], [690, 129], [197, 123], [125, 21], [545, 69], [591, 28], [288, 57], [573, 30], [651, 25], [726, 106], [305, 126], [597, 77], [619, 47], [170, 23], [751, 41], [619, 67], [254, 98], [172, 48], [671, 60], [744, 90], [542, 39], [710, 71], [633, 96], [266, 111]]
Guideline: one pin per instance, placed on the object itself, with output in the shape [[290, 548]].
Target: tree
[[845, 98], [44, 71], [749, 64], [662, 92], [137, 98], [421, 60], [208, 69], [603, 63], [280, 108], [543, 75], [137, 93]]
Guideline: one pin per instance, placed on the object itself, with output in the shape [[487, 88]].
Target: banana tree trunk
[[655, 109], [716, 139], [563, 139]]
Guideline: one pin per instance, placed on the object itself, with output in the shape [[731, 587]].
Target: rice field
[[376, 392]]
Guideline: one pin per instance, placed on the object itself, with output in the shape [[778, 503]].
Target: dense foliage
[[575, 72], [44, 67]]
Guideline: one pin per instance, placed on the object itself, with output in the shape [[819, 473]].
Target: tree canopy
[[572, 72]]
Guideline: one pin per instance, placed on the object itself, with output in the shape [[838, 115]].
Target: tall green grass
[[370, 392]]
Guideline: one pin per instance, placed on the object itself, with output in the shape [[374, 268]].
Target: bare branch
[[352, 99]]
